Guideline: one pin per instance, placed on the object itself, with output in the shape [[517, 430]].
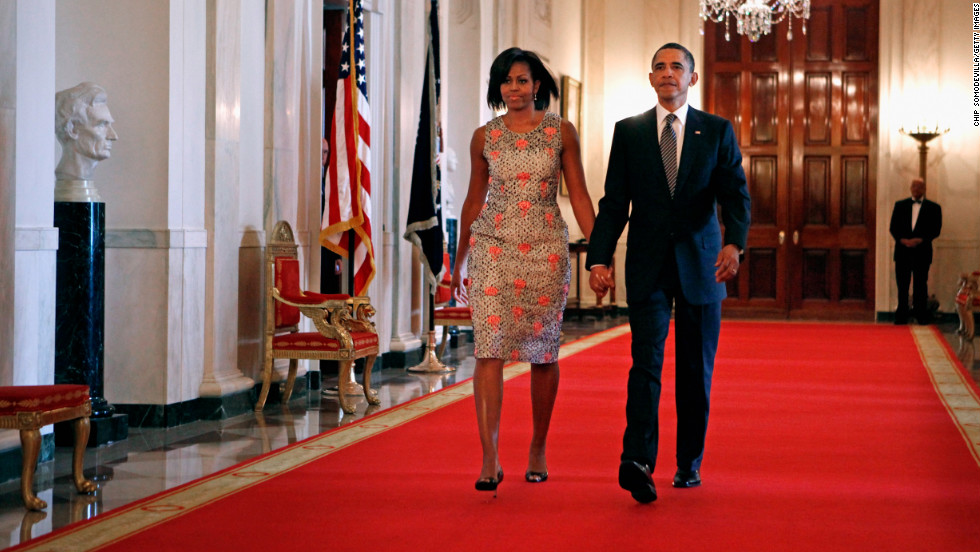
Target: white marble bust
[[83, 125]]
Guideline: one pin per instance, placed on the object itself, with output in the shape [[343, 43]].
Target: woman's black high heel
[[535, 477], [491, 483]]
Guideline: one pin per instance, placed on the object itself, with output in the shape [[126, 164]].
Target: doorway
[[805, 112]]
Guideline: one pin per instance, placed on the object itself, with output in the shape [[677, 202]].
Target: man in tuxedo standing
[[669, 169], [915, 222]]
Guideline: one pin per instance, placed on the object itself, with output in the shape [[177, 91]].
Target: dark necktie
[[668, 149]]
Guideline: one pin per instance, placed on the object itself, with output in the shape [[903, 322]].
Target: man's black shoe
[[686, 479], [635, 478]]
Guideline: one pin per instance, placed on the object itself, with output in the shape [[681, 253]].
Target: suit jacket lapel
[[692, 145], [655, 160]]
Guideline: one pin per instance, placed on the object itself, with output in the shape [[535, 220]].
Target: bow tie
[[917, 201]]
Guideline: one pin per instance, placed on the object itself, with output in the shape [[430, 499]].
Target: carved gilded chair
[[28, 408], [967, 302], [445, 315], [344, 330]]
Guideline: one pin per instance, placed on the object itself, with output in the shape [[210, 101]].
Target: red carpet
[[822, 437]]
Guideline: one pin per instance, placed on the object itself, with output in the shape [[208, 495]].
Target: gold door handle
[[782, 237], [796, 237]]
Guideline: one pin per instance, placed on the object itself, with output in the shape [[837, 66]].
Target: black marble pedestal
[[102, 431], [80, 309]]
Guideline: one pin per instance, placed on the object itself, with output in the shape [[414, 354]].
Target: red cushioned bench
[[28, 408]]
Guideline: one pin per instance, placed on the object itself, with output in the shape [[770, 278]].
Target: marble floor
[[153, 460]]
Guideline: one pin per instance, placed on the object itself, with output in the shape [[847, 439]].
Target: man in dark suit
[[673, 164], [916, 221]]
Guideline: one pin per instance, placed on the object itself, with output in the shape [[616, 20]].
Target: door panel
[[748, 85], [805, 114]]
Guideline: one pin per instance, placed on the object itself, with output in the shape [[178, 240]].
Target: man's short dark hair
[[501, 68], [675, 46]]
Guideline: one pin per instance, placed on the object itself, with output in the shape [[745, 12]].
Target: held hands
[[600, 280], [727, 263], [911, 242]]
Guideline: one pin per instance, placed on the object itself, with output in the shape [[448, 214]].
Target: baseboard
[[204, 408], [938, 317], [399, 359]]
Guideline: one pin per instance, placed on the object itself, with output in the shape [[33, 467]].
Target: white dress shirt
[[680, 123]]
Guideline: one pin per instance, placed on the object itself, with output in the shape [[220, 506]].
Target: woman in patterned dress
[[517, 242]]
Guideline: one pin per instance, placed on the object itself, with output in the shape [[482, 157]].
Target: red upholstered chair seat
[[463, 315], [37, 398], [314, 341]]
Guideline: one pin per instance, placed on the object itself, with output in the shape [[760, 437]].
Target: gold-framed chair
[[967, 302], [28, 408], [445, 315], [344, 330]]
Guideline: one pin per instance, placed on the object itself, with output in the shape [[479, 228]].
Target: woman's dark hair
[[501, 68]]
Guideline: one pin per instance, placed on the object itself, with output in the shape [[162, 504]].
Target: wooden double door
[[805, 112]]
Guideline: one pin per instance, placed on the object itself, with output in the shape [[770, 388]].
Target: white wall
[[925, 74], [153, 186]]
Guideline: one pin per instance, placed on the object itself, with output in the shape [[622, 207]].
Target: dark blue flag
[[424, 223]]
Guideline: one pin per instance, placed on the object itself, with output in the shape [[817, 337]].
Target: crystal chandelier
[[754, 18]]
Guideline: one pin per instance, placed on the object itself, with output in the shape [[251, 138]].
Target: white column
[[287, 192], [406, 78], [28, 241], [222, 188], [283, 56], [8, 130], [36, 240], [251, 290]]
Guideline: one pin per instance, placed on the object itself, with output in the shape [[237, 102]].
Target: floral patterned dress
[[518, 266]]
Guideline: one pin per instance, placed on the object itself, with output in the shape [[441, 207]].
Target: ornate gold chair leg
[[371, 396], [30, 442], [31, 518], [345, 372], [81, 426], [290, 380], [266, 383], [81, 507]]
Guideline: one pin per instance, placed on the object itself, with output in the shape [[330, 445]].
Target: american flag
[[347, 188]]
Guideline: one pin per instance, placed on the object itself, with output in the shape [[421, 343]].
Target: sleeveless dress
[[518, 266]]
